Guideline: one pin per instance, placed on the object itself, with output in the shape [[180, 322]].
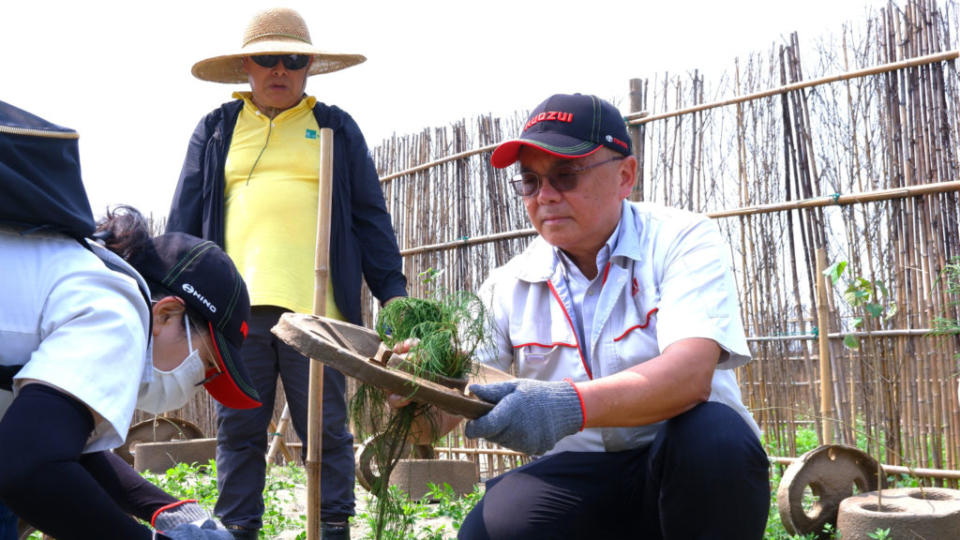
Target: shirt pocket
[[545, 361], [636, 340]]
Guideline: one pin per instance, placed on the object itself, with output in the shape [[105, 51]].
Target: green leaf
[[835, 270], [850, 296], [875, 310], [881, 287], [891, 312], [851, 342], [856, 294], [857, 322]]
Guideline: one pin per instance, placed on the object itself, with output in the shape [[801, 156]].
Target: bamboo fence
[[849, 144]]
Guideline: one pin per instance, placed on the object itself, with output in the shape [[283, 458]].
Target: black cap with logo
[[200, 273], [568, 126]]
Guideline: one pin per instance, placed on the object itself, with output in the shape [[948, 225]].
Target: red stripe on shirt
[[634, 327], [583, 360]]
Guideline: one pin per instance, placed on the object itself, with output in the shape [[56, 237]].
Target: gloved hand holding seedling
[[437, 338]]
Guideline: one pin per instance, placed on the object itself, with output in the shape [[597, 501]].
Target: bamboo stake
[[826, 374], [277, 442], [841, 200], [892, 469], [939, 57], [321, 276]]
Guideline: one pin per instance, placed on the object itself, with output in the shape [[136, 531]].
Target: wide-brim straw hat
[[274, 31]]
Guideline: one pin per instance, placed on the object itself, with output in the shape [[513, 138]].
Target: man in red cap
[[622, 323]]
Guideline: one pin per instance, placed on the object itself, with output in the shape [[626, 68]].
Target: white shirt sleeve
[[698, 296], [92, 343]]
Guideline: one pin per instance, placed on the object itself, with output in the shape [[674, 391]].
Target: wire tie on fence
[[464, 239], [836, 198], [816, 332]]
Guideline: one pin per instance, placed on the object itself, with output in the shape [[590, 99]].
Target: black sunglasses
[[527, 184], [292, 62]]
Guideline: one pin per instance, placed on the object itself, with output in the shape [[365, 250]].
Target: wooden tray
[[353, 350]]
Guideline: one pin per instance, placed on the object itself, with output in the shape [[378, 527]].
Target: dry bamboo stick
[[315, 392], [430, 165], [919, 472], [826, 374], [874, 70], [473, 451], [277, 431], [840, 200], [923, 332]]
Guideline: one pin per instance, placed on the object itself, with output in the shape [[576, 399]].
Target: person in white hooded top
[[93, 325]]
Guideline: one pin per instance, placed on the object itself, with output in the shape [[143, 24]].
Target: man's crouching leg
[[708, 477]]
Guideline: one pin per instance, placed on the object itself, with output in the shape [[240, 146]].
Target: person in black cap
[[622, 323], [98, 321]]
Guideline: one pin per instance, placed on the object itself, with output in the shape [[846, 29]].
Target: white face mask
[[172, 389]]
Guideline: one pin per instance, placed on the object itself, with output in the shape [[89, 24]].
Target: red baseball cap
[[568, 126]]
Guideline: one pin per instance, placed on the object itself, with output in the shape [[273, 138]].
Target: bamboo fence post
[[321, 275], [636, 105], [277, 442], [826, 373]]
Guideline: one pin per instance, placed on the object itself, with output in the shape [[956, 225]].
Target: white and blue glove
[[177, 513], [530, 416], [187, 520], [188, 531]]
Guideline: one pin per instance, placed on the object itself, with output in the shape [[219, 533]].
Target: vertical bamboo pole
[[321, 267], [636, 105], [826, 373], [276, 442]]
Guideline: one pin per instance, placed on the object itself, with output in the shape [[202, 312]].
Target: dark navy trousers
[[8, 524], [242, 433], [705, 476]]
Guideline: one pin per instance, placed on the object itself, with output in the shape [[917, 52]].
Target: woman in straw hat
[[100, 320], [250, 184]]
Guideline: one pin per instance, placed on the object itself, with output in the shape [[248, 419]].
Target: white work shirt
[[668, 279], [73, 324]]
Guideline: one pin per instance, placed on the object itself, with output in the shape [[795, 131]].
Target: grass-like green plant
[[412, 515], [447, 329]]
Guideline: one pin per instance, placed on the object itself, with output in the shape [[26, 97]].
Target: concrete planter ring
[[829, 474], [906, 512]]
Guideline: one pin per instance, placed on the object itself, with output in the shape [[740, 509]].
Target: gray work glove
[[530, 416], [178, 513], [188, 531]]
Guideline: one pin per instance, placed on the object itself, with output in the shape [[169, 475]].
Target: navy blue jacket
[[362, 241]]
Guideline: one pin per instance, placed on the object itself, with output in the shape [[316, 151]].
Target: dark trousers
[[8, 524], [242, 433], [704, 477]]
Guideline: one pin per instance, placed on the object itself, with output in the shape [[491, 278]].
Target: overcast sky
[[119, 72]]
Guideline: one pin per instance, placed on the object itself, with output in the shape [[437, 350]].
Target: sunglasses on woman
[[292, 62]]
